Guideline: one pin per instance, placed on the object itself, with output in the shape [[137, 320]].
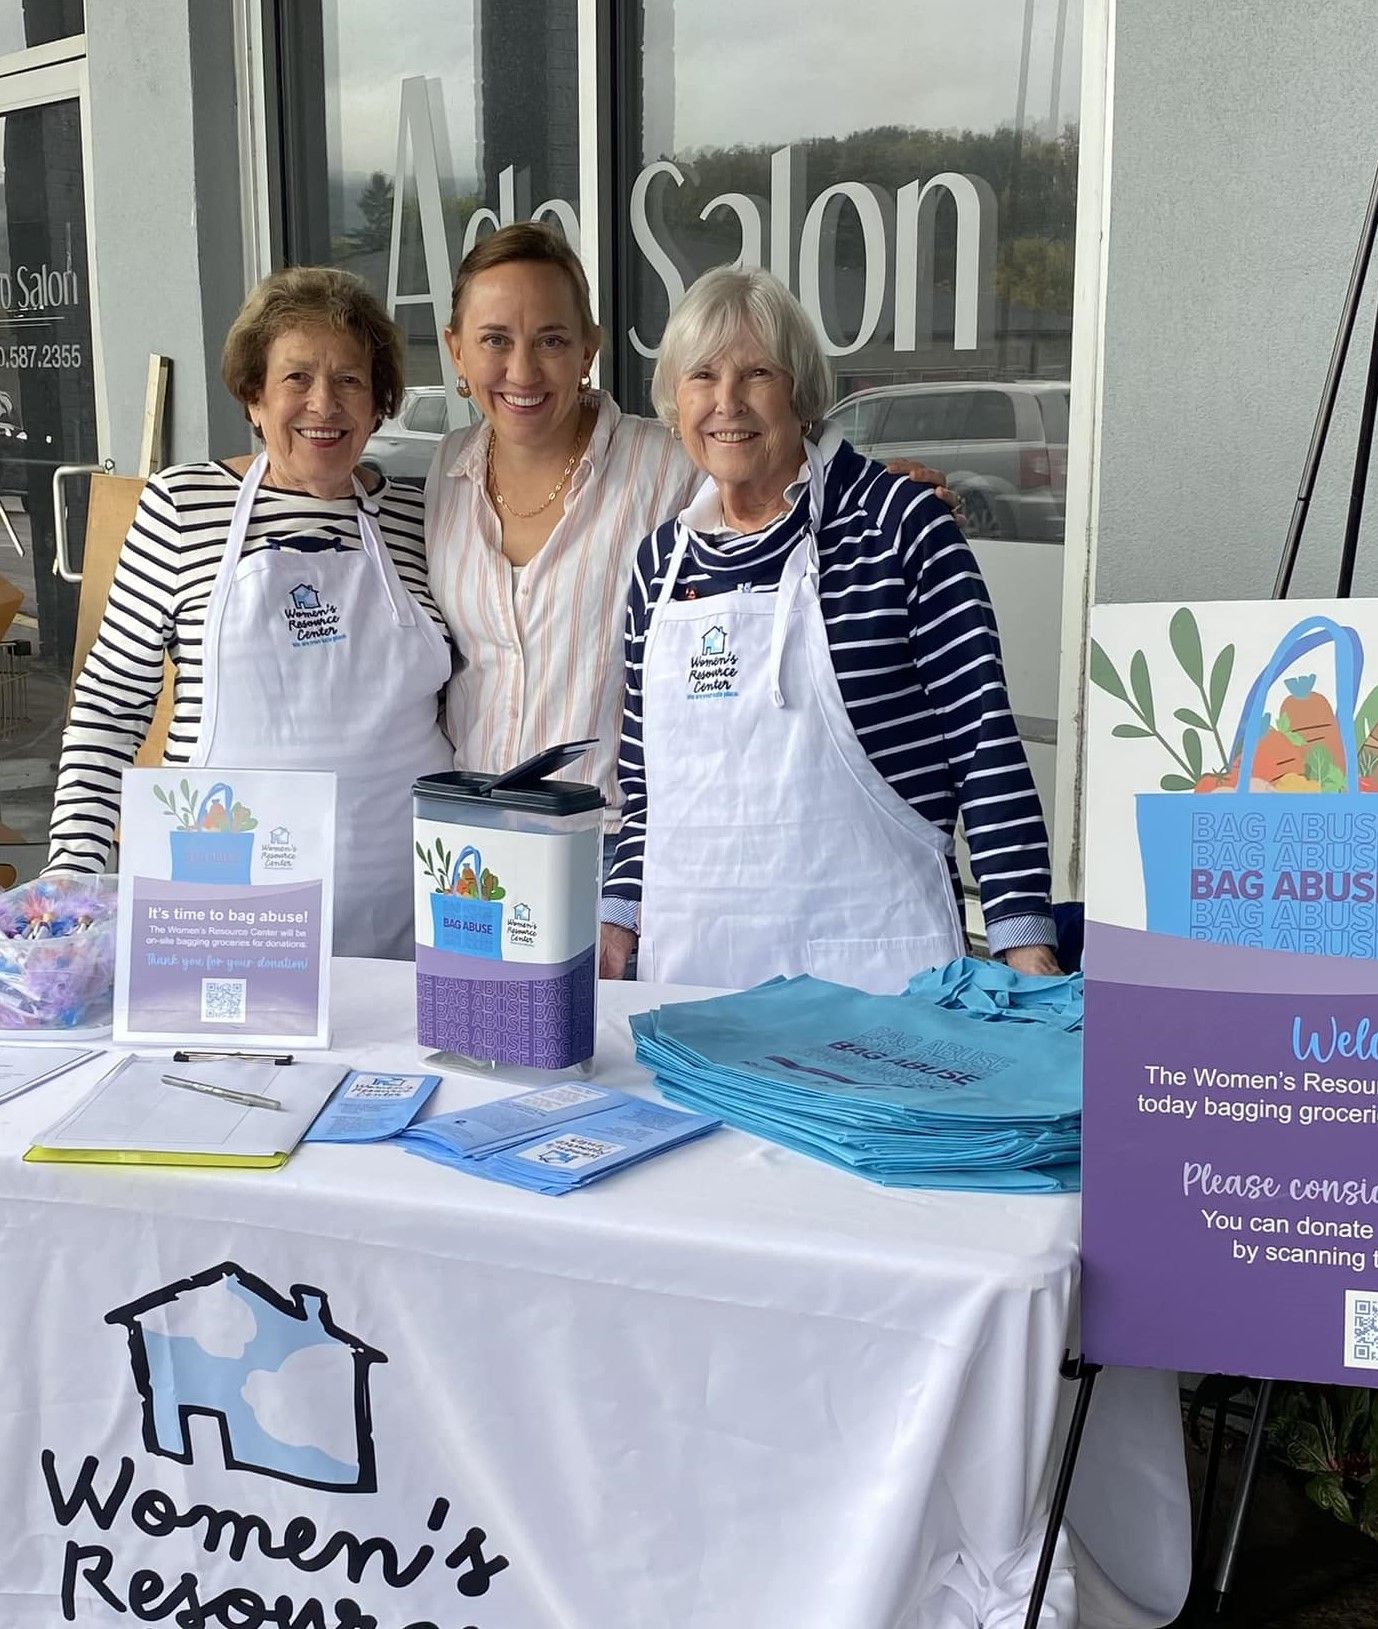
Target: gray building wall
[[167, 248], [1244, 142]]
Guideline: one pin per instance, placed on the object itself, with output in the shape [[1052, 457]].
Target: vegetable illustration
[[1312, 717], [1281, 751], [439, 865], [193, 813]]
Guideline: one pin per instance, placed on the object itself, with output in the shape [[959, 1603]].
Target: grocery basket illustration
[[212, 856], [1188, 839], [471, 926]]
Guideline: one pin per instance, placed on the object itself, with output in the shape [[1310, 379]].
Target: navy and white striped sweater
[[917, 657]]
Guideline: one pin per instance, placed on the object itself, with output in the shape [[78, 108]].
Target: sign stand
[[1344, 587], [1079, 1368]]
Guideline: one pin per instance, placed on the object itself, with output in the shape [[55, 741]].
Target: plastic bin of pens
[[57, 953]]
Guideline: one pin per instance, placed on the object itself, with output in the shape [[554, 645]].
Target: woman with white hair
[[533, 515], [814, 693]]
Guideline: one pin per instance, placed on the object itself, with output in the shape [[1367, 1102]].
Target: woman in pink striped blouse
[[534, 516]]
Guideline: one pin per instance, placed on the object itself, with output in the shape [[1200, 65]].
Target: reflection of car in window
[[402, 447], [1003, 447]]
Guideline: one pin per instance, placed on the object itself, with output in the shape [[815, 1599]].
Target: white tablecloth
[[731, 1389]]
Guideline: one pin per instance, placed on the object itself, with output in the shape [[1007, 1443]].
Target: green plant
[[1330, 1433], [439, 865], [183, 812], [1185, 638]]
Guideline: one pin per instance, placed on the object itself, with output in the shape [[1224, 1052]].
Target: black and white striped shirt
[[157, 606], [917, 657]]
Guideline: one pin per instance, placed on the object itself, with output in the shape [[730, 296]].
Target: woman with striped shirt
[[814, 693], [221, 567]]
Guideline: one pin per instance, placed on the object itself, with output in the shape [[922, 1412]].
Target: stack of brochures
[[900, 1089], [554, 1139]]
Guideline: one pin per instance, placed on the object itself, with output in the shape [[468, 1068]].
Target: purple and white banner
[[225, 907], [1230, 1209]]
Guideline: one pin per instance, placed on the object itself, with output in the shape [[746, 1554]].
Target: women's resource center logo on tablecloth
[[288, 1392]]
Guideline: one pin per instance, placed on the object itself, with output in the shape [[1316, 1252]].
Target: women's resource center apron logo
[[713, 672], [312, 621]]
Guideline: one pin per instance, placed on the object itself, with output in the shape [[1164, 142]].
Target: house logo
[[286, 1387], [713, 672], [521, 925], [278, 852], [311, 620]]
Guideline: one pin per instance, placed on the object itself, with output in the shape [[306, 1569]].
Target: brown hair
[[526, 240], [312, 297]]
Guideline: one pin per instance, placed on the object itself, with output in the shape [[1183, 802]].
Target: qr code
[[1361, 1329], [223, 1001]]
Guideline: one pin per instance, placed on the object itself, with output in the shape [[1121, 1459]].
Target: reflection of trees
[[1040, 203], [375, 207]]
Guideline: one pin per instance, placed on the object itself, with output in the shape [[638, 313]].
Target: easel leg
[[1201, 1538], [1085, 1375], [1239, 1511]]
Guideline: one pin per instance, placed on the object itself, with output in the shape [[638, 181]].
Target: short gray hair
[[719, 306]]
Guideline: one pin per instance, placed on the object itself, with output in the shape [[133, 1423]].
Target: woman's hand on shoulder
[[615, 950], [934, 478], [1037, 959]]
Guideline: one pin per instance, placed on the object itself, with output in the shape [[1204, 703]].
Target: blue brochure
[[555, 1139], [367, 1107], [487, 1127]]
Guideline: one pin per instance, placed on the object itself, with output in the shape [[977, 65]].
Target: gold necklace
[[555, 491]]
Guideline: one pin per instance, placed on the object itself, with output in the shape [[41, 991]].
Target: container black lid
[[524, 787]]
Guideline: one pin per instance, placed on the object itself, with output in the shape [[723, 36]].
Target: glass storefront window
[[47, 418], [909, 168], [26, 23], [473, 103]]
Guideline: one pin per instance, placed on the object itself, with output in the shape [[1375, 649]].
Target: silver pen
[[250, 1100]]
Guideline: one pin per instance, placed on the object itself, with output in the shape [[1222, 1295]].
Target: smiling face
[[316, 410], [521, 344], [736, 417]]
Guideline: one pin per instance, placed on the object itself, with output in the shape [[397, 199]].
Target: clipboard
[[130, 1117]]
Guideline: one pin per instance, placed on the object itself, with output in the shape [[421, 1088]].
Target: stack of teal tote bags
[[970, 1079]]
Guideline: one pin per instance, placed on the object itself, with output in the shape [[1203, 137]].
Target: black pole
[[1358, 487], [1328, 395], [1202, 1537], [1244, 1493], [1084, 1374]]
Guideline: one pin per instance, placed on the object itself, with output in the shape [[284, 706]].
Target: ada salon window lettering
[[713, 672]]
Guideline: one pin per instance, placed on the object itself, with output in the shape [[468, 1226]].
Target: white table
[[733, 1388]]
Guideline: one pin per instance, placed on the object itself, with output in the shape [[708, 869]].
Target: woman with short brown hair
[[226, 569]]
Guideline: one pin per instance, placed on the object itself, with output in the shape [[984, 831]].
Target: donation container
[[508, 873]]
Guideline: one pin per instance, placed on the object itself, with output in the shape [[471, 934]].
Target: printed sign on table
[[1230, 1210], [225, 907]]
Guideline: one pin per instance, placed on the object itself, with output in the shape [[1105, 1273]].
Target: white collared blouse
[[542, 657]]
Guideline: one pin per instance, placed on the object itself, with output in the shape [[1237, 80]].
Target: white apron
[[325, 661], [773, 844]]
